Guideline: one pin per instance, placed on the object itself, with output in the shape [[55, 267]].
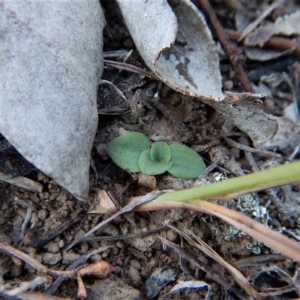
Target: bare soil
[[43, 224]]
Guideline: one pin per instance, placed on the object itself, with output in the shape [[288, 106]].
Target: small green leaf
[[160, 152], [126, 149], [187, 163], [149, 167]]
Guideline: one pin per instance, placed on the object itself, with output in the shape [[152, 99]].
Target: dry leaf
[[176, 44], [51, 64], [286, 25], [146, 180], [245, 111], [105, 204], [159, 279], [183, 54], [192, 285], [266, 131], [262, 54], [286, 138], [23, 182]]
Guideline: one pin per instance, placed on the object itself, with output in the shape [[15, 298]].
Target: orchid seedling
[[132, 152]]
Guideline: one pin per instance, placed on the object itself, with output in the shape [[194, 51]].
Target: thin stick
[[255, 23], [216, 276], [202, 246], [130, 68], [253, 150], [230, 50], [256, 230], [9, 250], [123, 237], [27, 285], [129, 207], [279, 43], [82, 259]]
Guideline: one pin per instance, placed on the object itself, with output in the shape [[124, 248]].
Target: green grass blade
[[277, 176]]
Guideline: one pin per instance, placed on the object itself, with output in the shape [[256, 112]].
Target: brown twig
[[81, 260], [279, 43], [255, 261], [11, 251], [253, 150], [230, 50], [100, 269]]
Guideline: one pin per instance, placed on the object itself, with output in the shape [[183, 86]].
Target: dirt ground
[[43, 224]]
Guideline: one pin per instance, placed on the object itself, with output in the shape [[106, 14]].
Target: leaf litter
[[53, 206]]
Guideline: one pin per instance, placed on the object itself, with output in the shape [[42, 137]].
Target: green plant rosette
[[187, 163], [126, 149], [150, 167], [160, 152]]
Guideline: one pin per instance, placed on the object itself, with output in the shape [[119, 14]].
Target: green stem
[[277, 176]]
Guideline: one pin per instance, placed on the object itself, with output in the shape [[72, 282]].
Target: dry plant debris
[[54, 241]]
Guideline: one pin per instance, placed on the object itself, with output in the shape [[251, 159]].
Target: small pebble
[[195, 296], [119, 262], [171, 235], [105, 254], [46, 195], [69, 257], [126, 262], [15, 270], [51, 247], [43, 214], [61, 244], [110, 229], [51, 259], [228, 85], [120, 244], [41, 177], [4, 205], [57, 239], [135, 264], [53, 196], [84, 247], [118, 271], [71, 204], [4, 238], [134, 276], [64, 213], [128, 43], [115, 250], [96, 258]]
